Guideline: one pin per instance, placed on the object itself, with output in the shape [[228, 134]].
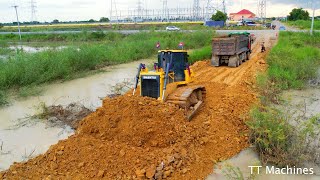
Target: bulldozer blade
[[195, 110]]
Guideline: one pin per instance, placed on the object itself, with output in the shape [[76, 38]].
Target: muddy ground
[[132, 137]]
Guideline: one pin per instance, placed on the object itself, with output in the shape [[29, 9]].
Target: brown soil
[[132, 137]]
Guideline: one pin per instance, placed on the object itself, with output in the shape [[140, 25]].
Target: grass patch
[[3, 98], [305, 24], [200, 54], [293, 61]]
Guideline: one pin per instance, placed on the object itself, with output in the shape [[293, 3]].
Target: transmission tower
[[210, 9], [196, 9], [33, 11], [113, 5], [262, 9], [165, 10], [140, 9]]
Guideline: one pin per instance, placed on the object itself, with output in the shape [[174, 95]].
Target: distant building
[[243, 14]]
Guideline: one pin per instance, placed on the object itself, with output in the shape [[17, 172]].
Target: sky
[[70, 10]]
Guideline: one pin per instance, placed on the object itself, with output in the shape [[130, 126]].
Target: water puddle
[[31, 49], [20, 143]]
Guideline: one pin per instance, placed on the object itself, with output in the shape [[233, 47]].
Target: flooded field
[[35, 137]]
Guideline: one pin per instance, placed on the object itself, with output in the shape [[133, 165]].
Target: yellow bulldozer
[[170, 80]]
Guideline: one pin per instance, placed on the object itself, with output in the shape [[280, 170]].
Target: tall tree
[[104, 19], [298, 14], [55, 21], [219, 16]]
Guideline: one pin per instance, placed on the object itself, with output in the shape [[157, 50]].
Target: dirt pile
[[132, 137]]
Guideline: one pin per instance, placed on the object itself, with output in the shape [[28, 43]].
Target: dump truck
[[169, 81], [232, 49]]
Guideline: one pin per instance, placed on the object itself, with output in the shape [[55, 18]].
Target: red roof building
[[243, 14]]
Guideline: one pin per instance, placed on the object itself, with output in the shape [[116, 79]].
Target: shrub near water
[[32, 69]]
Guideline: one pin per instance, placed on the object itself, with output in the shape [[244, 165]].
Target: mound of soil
[[133, 137]]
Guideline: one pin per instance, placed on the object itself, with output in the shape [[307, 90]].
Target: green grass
[[200, 54], [25, 69], [304, 24], [294, 60]]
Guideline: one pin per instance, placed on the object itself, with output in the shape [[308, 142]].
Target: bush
[[274, 137]]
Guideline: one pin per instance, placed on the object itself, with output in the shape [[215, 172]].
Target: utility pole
[[312, 23], [224, 6], [33, 11], [15, 7]]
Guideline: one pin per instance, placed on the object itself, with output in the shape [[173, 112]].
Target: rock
[[54, 158], [166, 174], [14, 172], [100, 174], [48, 177], [59, 152], [170, 159], [140, 103], [154, 103], [80, 164], [205, 139], [184, 152], [122, 153], [158, 175], [184, 170], [53, 166], [140, 173], [179, 164], [150, 172]]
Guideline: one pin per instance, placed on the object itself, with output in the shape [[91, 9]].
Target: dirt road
[[132, 137]]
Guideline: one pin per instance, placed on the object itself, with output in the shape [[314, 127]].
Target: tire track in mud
[[230, 75]]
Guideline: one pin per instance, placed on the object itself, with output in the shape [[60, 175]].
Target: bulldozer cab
[[178, 60]]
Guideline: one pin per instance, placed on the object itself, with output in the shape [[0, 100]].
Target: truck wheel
[[248, 55], [240, 60], [238, 63]]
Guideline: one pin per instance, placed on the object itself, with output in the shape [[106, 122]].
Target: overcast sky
[[69, 10]]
